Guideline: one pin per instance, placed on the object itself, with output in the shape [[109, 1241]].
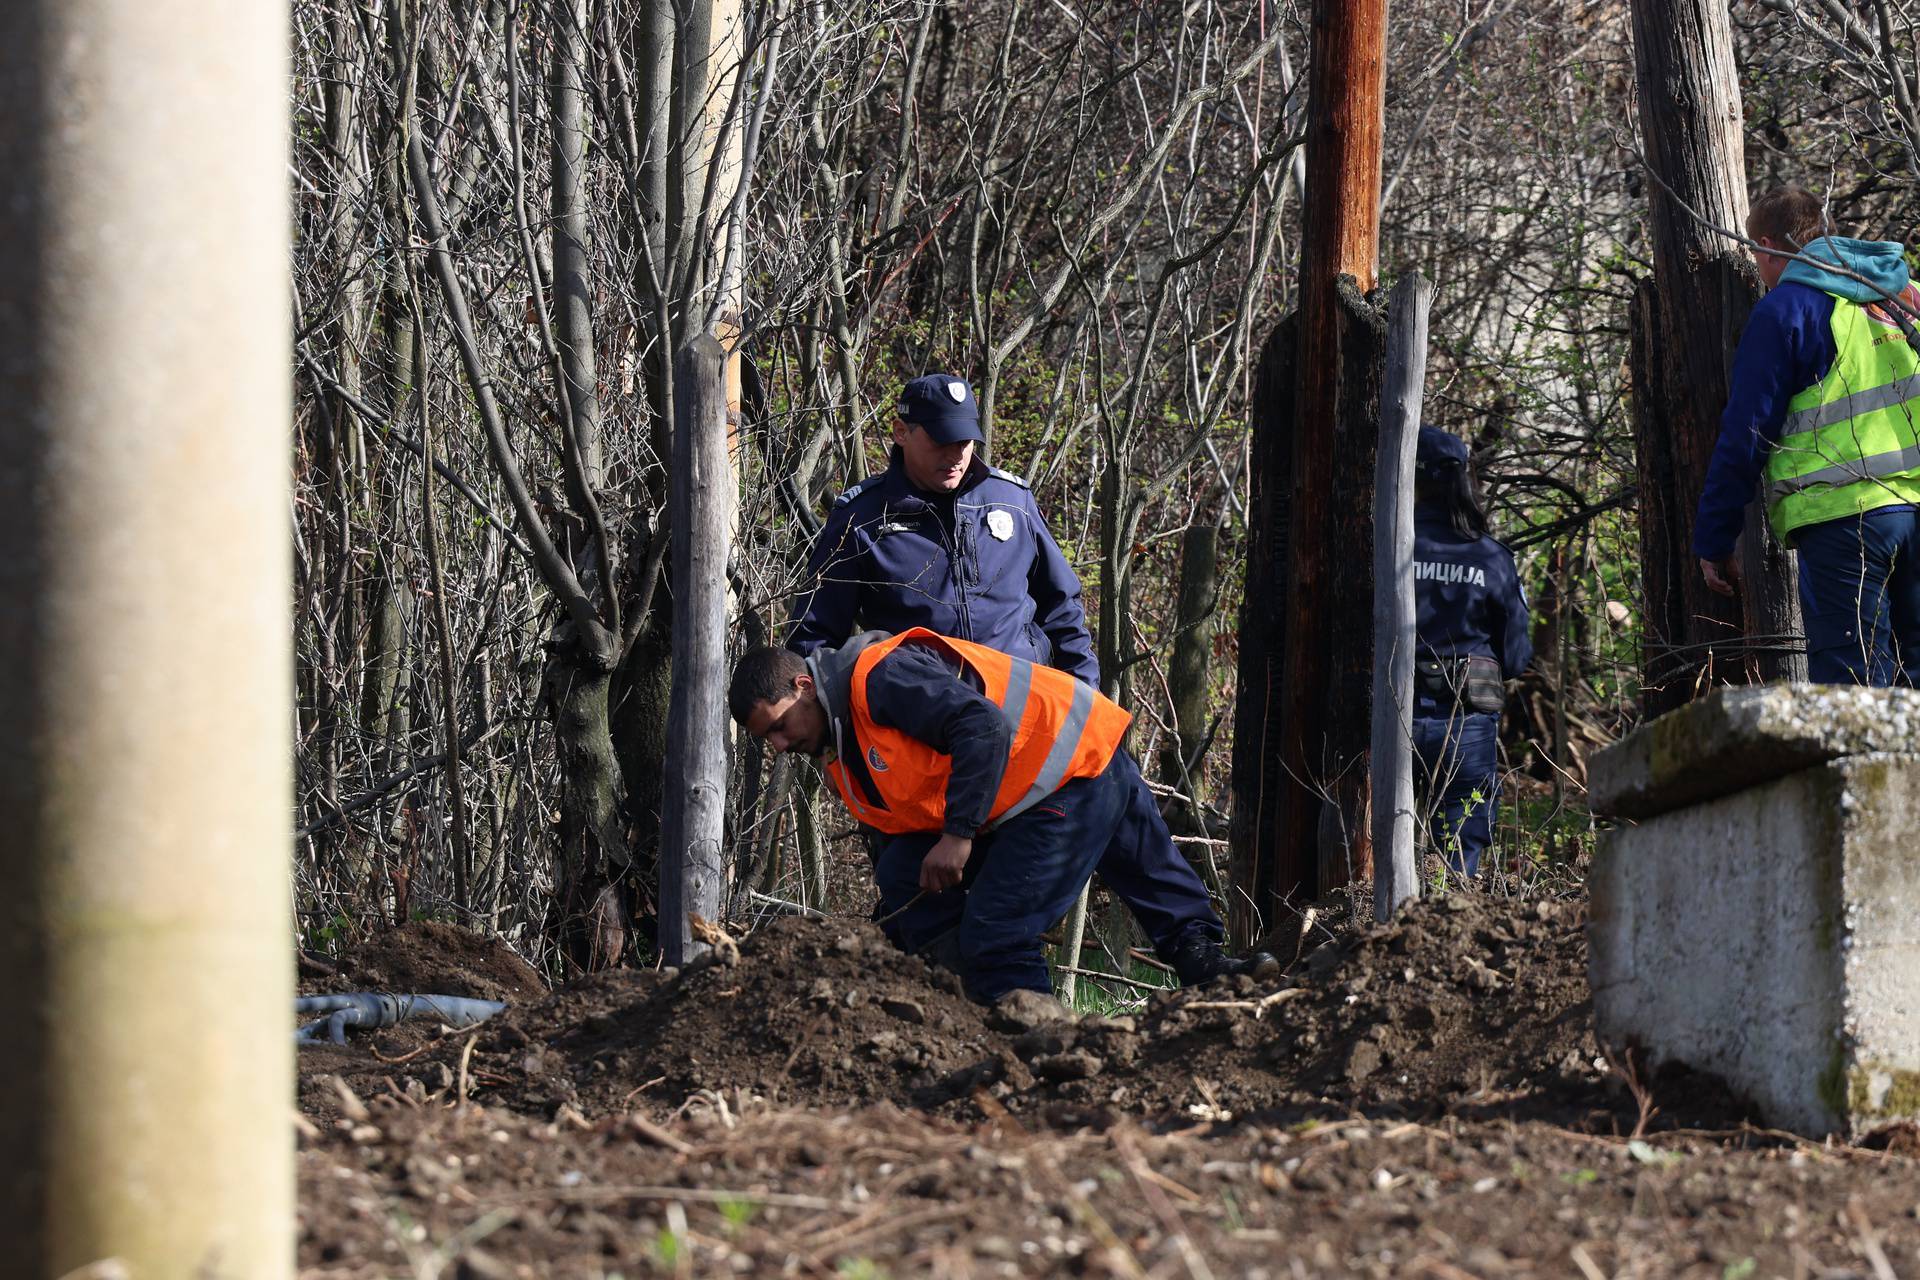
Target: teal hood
[[1881, 262]]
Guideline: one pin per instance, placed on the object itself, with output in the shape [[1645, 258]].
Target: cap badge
[[958, 391], [1000, 524]]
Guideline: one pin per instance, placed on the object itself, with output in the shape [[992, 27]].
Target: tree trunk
[[1189, 686], [1686, 324], [593, 849]]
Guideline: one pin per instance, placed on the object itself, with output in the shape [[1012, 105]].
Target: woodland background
[[511, 212]]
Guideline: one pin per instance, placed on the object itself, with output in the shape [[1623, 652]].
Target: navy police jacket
[[977, 564], [1467, 599]]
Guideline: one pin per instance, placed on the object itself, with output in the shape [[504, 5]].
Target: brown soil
[[427, 957], [1422, 1099]]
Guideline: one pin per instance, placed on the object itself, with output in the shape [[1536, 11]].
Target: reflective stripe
[[1891, 463], [1060, 755], [1014, 705], [1860, 402]]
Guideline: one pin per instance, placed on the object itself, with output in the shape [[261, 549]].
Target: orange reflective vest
[[1062, 730]]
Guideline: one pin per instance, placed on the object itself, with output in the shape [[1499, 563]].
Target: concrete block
[[1737, 738], [1772, 937]]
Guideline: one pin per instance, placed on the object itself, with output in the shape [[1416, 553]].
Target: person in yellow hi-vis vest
[[995, 782], [1822, 413]]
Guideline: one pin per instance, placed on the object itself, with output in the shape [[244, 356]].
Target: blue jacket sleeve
[[1516, 640], [913, 690], [1787, 347], [1055, 589], [823, 611]]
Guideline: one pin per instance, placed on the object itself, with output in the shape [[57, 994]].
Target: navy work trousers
[[1860, 597], [1022, 877], [1143, 868], [1457, 768]]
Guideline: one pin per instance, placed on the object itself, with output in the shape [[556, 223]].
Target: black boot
[[1200, 960]]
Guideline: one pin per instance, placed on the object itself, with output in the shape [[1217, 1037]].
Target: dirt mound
[[1461, 998], [435, 958], [1465, 1005], [816, 1012]]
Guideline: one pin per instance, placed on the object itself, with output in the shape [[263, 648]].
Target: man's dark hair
[[764, 674], [1451, 489]]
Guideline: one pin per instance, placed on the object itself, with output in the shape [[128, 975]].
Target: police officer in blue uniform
[[1471, 620], [941, 540]]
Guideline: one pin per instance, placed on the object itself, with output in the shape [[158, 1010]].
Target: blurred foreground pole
[[145, 667], [1394, 879], [693, 823]]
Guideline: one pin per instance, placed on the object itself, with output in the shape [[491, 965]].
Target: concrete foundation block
[[1738, 738], [1771, 934]]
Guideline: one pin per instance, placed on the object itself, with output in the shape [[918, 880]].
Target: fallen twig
[[905, 907], [690, 1195], [466, 1057], [1148, 958], [408, 1056], [1169, 1217], [1102, 976], [1259, 1006], [658, 1136], [1869, 1241]]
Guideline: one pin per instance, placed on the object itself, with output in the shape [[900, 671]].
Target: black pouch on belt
[[1473, 683], [1483, 690]]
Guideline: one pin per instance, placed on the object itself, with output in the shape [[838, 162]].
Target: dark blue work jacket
[[977, 564], [1468, 601]]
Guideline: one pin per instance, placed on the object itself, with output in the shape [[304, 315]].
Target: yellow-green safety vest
[[1850, 441]]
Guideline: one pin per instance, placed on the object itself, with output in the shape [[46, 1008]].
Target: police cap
[[943, 406], [1439, 450]]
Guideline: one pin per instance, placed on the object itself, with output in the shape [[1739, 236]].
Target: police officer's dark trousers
[[1860, 597], [1022, 877], [1459, 772]]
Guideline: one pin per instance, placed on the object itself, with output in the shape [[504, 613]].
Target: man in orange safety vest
[[996, 784]]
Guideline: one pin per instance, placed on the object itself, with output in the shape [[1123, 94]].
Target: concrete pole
[[1394, 878], [145, 668]]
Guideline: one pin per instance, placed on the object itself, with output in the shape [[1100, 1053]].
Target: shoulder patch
[[1008, 476], [853, 491]]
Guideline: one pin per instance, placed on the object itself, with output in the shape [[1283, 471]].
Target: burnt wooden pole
[[692, 825], [1335, 382], [146, 1068], [1686, 322], [1253, 862]]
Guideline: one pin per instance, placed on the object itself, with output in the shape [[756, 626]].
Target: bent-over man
[[997, 784]]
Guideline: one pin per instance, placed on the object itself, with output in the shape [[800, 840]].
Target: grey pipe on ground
[[373, 1009]]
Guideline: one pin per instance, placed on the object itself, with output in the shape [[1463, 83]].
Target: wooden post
[[1394, 876], [1685, 326], [693, 823], [1076, 937], [146, 1069], [1346, 110]]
